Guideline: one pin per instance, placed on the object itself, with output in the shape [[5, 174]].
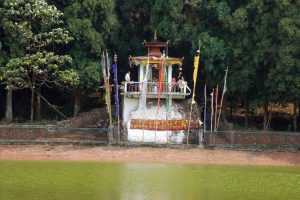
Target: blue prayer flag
[[115, 71]]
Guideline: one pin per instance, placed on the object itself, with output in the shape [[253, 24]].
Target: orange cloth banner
[[163, 125]]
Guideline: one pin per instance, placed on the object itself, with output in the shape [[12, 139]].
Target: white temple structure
[[151, 106]]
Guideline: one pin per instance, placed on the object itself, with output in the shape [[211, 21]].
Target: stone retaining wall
[[51, 134], [236, 139], [253, 138]]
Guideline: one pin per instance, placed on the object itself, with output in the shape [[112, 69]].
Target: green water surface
[[91, 180]]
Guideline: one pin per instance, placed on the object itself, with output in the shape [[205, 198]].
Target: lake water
[[30, 180]]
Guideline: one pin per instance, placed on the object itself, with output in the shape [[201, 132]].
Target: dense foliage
[[258, 40], [35, 27]]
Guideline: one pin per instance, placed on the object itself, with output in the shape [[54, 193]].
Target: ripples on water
[[30, 180]]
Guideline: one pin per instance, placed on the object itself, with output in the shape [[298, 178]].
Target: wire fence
[[252, 139], [31, 134]]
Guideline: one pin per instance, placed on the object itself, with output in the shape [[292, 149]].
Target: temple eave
[[155, 60]]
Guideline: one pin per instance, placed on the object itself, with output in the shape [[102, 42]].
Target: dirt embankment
[[97, 117], [146, 154]]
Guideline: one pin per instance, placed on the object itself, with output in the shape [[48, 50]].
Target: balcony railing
[[153, 88]]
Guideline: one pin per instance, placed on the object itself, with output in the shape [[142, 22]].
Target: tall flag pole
[[196, 64], [216, 110], [204, 124], [143, 97], [105, 71], [115, 71], [223, 93], [211, 115], [108, 88], [166, 82], [212, 110], [161, 77]]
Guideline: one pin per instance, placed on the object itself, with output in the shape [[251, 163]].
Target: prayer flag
[[212, 110], [105, 64], [216, 109], [115, 71], [160, 85], [196, 63]]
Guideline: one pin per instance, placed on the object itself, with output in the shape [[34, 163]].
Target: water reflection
[[141, 179], [132, 181]]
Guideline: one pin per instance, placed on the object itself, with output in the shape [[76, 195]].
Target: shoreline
[[147, 155]]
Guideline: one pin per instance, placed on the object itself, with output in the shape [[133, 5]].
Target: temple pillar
[[141, 73], [170, 71]]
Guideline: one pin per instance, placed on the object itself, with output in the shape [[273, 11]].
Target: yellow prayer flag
[[196, 63]]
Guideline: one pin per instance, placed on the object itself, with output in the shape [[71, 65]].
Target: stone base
[[161, 137]]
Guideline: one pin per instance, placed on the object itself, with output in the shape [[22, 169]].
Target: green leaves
[[68, 77], [45, 66], [33, 11], [92, 24], [46, 39], [34, 26], [257, 39]]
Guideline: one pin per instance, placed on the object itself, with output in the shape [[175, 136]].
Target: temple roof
[[155, 43], [155, 60], [155, 55]]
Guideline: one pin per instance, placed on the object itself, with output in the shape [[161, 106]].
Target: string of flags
[[216, 108]]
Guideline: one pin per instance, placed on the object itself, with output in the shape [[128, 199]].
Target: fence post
[[285, 140], [200, 138], [33, 137], [231, 137], [110, 134]]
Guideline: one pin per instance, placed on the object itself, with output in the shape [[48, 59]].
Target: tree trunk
[[266, 117], [8, 111], [77, 101], [246, 122], [231, 108], [32, 104], [38, 105], [295, 116]]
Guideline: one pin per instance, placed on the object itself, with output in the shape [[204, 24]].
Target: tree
[[284, 79], [92, 24], [4, 56], [35, 26], [235, 28], [260, 39]]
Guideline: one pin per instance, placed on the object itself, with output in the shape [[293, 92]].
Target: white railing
[[153, 88]]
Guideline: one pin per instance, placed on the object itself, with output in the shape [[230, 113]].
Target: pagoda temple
[[152, 104]]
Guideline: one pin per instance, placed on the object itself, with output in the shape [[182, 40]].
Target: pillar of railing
[[231, 137], [125, 87], [152, 87]]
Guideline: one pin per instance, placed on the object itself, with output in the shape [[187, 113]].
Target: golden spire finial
[[155, 35]]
